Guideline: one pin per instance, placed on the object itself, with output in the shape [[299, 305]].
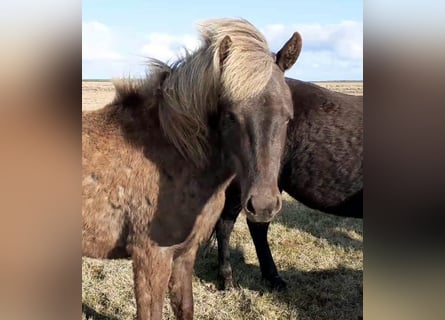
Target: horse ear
[[224, 47], [162, 76], [287, 56]]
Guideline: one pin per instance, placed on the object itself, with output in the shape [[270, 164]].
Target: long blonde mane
[[195, 82]]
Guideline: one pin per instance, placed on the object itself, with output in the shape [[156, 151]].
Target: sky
[[118, 35]]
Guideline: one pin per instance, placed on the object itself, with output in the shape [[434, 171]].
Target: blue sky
[[117, 35]]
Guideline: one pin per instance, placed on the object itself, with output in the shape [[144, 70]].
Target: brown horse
[[322, 167], [158, 159]]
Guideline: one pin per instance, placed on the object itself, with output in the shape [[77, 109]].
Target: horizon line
[[104, 80]]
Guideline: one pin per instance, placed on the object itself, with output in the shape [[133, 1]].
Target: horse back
[[323, 162]]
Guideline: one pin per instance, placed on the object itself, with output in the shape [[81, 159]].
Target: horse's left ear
[[224, 48], [287, 56]]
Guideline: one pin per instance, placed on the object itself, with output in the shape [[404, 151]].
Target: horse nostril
[[249, 206], [278, 203]]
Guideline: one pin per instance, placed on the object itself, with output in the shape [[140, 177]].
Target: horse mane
[[190, 88]]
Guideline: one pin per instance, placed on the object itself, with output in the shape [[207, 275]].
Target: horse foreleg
[[224, 228], [180, 285], [258, 231], [152, 268]]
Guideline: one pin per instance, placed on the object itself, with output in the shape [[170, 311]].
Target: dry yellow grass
[[348, 87], [95, 94], [319, 255]]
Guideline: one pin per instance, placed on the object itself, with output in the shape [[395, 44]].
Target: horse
[[157, 160], [322, 167]]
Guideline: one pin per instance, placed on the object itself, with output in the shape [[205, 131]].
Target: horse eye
[[230, 116]]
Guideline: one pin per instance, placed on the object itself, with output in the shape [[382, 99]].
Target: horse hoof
[[278, 284], [228, 285]]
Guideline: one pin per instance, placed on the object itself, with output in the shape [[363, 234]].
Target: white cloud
[[165, 47], [330, 51], [348, 40], [97, 42], [345, 39], [273, 31]]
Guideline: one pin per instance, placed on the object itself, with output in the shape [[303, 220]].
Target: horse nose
[[249, 206], [263, 206]]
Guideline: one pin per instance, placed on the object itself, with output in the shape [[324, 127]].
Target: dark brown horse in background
[[322, 167], [156, 161]]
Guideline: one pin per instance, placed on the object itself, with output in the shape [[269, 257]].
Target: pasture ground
[[95, 94], [319, 255]]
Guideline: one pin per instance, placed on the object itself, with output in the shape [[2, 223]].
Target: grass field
[[319, 255], [95, 94]]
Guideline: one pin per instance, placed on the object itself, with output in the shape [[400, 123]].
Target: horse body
[[322, 167], [157, 160], [323, 161], [138, 185], [128, 208]]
